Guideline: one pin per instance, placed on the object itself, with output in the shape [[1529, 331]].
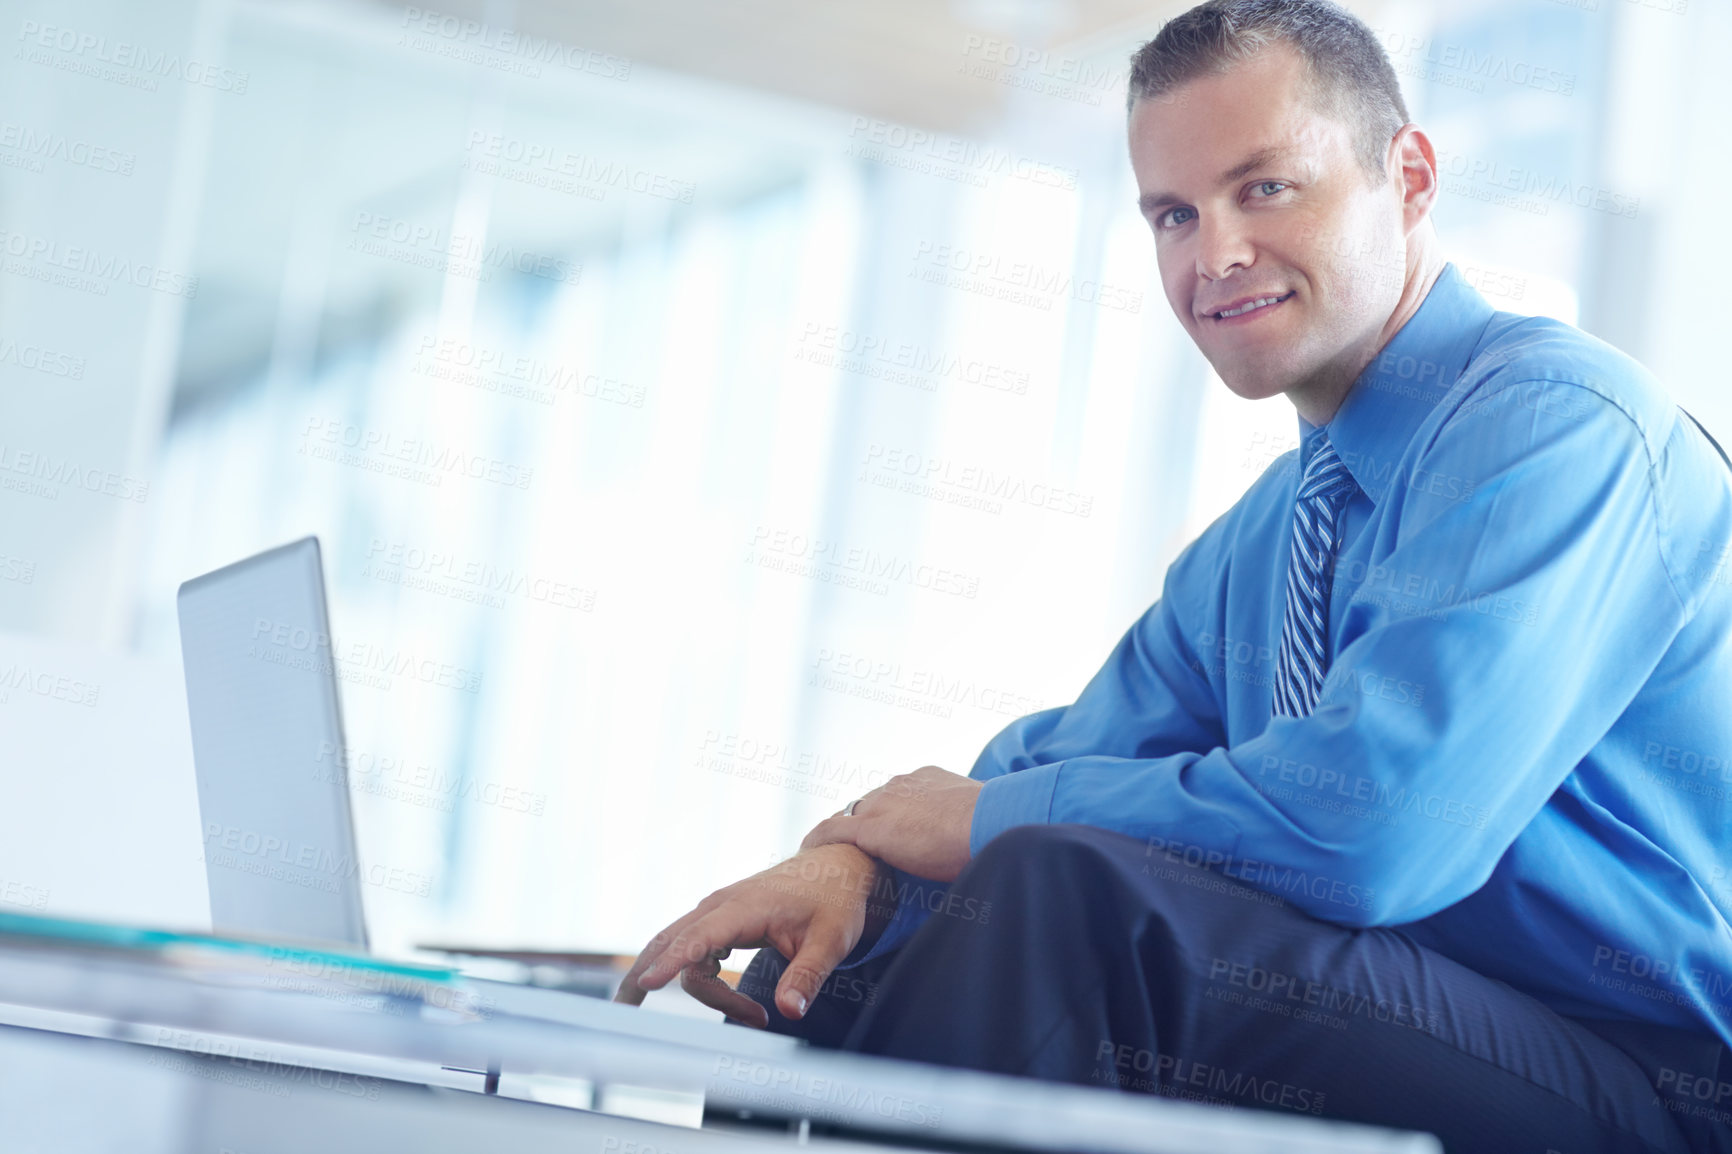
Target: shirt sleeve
[[1152, 676], [1498, 640]]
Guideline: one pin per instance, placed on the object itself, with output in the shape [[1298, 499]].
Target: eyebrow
[[1258, 159]]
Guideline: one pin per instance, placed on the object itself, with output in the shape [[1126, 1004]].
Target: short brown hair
[[1351, 78]]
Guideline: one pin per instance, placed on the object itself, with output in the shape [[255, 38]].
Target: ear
[[1414, 163]]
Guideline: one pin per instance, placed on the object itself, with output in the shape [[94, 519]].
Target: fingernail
[[800, 1004]]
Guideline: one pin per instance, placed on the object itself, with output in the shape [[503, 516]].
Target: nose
[[1222, 246]]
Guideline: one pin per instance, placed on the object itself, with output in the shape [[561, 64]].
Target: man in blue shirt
[[1410, 799]]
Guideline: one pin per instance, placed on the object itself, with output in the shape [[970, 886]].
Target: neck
[[1318, 397]]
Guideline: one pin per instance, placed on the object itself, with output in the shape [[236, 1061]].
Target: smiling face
[[1280, 259]]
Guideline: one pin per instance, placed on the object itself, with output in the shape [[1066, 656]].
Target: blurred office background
[[707, 410]]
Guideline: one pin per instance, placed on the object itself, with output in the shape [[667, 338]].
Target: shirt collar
[[1403, 383]]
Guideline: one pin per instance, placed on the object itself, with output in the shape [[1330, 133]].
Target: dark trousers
[[1069, 953]]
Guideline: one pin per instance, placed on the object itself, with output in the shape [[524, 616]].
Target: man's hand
[[917, 822], [814, 908]]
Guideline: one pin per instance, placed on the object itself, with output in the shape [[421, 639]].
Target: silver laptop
[[273, 796], [267, 738]]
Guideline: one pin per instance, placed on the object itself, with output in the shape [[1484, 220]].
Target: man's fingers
[[859, 830], [723, 929], [819, 834], [704, 983], [832, 830], [629, 991], [860, 806], [673, 935], [823, 947], [669, 936], [676, 956]]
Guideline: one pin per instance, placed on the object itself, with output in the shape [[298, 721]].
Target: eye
[[1277, 185], [1165, 219]]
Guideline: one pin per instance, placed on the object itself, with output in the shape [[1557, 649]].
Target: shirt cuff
[[1021, 798]]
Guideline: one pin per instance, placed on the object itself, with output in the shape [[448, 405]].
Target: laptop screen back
[[267, 738]]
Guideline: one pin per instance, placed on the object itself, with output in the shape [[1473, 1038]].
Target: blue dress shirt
[[1522, 751]]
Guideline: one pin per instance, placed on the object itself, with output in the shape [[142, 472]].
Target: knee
[[1022, 840]]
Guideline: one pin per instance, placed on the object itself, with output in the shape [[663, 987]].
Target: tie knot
[[1325, 475]]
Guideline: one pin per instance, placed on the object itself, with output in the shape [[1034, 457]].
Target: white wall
[[100, 137]]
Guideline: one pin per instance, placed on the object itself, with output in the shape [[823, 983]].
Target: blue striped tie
[[1304, 658]]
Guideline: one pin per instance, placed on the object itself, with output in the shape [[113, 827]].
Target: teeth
[[1256, 304]]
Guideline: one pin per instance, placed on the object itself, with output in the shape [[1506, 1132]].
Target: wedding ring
[[848, 810]]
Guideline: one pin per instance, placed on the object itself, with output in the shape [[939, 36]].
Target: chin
[[1252, 385]]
